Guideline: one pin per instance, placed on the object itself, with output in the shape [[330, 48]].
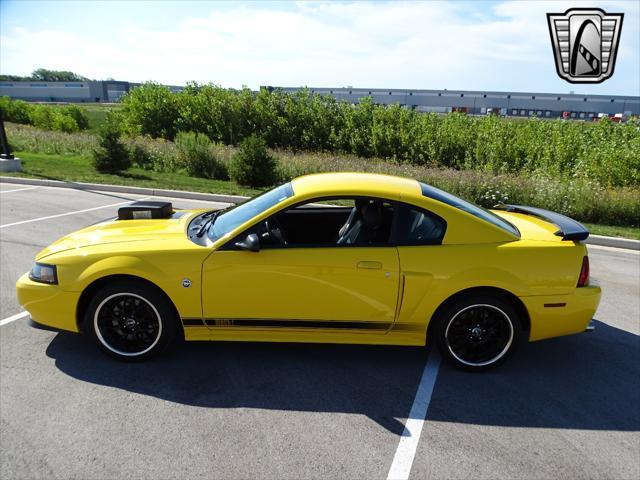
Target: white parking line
[[68, 213], [18, 190], [12, 318], [406, 451]]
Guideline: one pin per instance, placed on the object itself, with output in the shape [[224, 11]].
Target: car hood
[[119, 231]]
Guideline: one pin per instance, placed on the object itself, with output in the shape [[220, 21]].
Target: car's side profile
[[340, 258]]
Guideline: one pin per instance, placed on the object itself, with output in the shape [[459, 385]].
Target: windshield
[[230, 219], [486, 215]]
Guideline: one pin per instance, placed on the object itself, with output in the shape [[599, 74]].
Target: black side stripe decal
[[305, 324], [192, 322]]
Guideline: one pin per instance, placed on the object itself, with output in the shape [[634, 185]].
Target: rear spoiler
[[569, 228]]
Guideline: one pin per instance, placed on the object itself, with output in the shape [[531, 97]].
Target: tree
[[151, 109], [44, 75], [14, 78], [112, 155]]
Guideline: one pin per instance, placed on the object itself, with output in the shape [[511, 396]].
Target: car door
[[353, 287]]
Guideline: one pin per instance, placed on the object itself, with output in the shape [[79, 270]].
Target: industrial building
[[518, 104], [106, 91]]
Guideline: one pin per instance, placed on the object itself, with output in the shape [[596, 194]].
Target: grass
[[97, 114], [613, 231], [78, 168]]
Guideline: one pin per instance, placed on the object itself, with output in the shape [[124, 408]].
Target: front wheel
[[130, 321], [478, 333]]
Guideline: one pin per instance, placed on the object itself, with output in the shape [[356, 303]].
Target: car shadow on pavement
[[379, 382], [588, 381]]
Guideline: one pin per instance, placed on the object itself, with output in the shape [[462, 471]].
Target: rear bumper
[[557, 315], [48, 305]]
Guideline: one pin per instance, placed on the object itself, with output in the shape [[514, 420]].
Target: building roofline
[[455, 92]]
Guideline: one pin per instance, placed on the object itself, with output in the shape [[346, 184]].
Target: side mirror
[[250, 243]]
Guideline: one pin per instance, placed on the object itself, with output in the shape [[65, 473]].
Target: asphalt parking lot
[[563, 408]]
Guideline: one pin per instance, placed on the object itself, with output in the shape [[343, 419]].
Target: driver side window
[[345, 222], [339, 222]]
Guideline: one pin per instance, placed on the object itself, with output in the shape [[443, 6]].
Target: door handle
[[370, 265]]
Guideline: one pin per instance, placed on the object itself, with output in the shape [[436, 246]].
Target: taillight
[[583, 279]]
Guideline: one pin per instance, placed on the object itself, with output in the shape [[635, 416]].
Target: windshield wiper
[[211, 218]]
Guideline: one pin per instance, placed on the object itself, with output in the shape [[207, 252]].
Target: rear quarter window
[[460, 204], [416, 226]]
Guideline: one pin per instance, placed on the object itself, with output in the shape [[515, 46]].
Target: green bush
[[151, 109], [52, 118], [78, 114], [194, 153], [63, 123], [70, 118], [16, 111], [154, 154], [41, 117], [111, 156], [253, 166], [602, 151], [141, 158]]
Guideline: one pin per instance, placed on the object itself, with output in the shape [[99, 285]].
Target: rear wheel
[[130, 321], [478, 333]]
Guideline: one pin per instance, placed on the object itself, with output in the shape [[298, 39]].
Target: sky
[[458, 45]]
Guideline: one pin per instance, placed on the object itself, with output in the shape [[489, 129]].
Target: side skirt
[[295, 330]]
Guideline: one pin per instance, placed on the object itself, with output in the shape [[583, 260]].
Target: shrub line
[[585, 200]]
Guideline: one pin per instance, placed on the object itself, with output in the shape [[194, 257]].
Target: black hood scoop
[[145, 211]]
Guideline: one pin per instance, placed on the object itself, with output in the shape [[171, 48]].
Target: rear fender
[[422, 297]]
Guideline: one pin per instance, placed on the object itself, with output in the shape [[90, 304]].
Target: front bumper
[[48, 305], [557, 315]]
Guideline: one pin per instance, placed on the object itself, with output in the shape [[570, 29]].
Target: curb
[[615, 242], [153, 192]]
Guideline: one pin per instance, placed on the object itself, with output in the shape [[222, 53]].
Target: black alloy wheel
[[478, 333], [131, 321]]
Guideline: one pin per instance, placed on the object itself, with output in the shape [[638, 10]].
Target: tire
[[131, 321], [478, 333]]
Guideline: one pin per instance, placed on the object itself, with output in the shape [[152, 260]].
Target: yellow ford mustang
[[340, 258]]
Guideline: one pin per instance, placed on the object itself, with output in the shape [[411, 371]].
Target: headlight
[[43, 273]]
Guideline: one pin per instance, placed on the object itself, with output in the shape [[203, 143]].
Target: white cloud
[[400, 44]]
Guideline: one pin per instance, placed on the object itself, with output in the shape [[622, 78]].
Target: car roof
[[340, 183]]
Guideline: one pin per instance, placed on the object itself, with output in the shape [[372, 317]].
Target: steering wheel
[[274, 230]]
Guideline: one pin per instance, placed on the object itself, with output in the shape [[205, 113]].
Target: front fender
[[166, 273], [119, 265]]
